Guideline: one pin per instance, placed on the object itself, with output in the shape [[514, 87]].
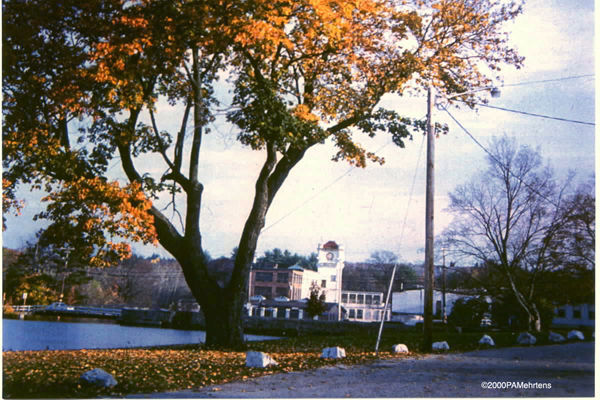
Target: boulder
[[399, 348], [440, 346], [575, 335], [259, 360], [487, 340], [333, 352], [98, 377], [526, 339], [556, 337]]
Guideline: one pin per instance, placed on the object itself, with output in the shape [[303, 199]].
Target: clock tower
[[331, 262]]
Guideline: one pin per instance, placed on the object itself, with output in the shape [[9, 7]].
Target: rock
[[259, 359], [487, 340], [399, 348], [98, 377], [440, 346], [527, 339], [333, 352], [575, 335], [556, 337]]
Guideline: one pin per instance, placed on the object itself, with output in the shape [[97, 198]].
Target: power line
[[497, 161], [411, 189], [318, 193], [550, 80], [530, 114]]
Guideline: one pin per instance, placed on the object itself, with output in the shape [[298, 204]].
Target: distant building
[[365, 306], [328, 277], [275, 282], [412, 302], [580, 315]]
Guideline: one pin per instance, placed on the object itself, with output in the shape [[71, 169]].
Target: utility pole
[[385, 307], [444, 316], [429, 227]]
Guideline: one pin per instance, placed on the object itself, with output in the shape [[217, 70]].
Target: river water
[[20, 335]]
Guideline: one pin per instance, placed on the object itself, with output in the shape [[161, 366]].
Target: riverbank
[[43, 374]]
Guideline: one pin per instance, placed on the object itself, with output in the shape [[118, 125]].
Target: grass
[[55, 374]]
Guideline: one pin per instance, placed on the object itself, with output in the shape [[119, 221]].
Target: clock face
[[329, 256]]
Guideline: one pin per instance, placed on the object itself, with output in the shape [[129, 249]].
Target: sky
[[383, 207]]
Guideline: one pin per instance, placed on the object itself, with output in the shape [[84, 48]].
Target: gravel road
[[545, 371]]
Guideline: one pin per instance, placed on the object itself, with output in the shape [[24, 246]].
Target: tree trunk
[[223, 308], [535, 320], [224, 322]]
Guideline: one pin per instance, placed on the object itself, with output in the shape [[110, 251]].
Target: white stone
[[575, 335], [440, 346], [487, 340], [333, 352], [259, 359], [556, 337], [526, 338], [399, 348], [98, 377]]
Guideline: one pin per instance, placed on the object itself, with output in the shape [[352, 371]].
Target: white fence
[[105, 311]]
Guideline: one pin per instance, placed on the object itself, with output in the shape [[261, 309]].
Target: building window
[[264, 277], [352, 298], [351, 313], [264, 291], [367, 314], [344, 297], [360, 299], [576, 313], [333, 278], [368, 299], [281, 291], [282, 277], [376, 299], [560, 312], [324, 283], [591, 315], [359, 314]]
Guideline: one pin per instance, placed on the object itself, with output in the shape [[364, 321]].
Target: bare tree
[[509, 217], [383, 257]]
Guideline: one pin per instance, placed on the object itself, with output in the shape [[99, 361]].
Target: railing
[[71, 310], [28, 308]]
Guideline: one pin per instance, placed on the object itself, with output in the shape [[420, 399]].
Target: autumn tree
[[511, 219], [81, 81]]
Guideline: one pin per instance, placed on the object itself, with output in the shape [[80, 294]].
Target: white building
[[331, 262], [412, 302], [580, 315], [364, 306]]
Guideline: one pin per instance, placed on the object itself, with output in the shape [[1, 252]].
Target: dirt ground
[[545, 371]]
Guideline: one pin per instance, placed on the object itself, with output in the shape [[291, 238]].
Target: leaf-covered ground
[[47, 374]]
